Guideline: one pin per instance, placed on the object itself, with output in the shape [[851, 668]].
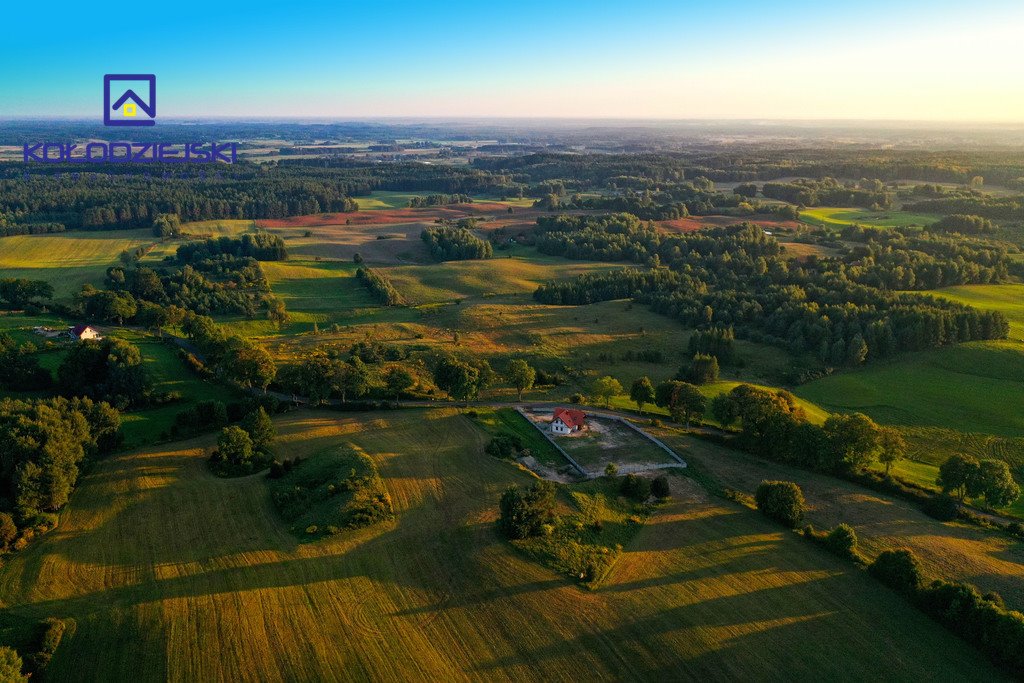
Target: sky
[[743, 59]]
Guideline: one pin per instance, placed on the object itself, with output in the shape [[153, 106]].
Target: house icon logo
[[122, 103]]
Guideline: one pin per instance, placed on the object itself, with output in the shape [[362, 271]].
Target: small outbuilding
[[568, 421]]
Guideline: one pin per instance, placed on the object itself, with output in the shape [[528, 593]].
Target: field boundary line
[[656, 441]]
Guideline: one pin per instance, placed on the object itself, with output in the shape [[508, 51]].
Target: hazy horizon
[[916, 62]]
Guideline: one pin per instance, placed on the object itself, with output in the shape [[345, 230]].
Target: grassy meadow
[[1007, 298], [68, 260], [963, 399], [833, 217], [219, 589]]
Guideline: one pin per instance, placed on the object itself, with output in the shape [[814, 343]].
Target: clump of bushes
[[783, 501], [660, 488], [342, 490], [279, 468], [841, 541], [524, 512], [51, 633], [245, 449], [899, 570], [942, 507], [637, 488], [505, 445]]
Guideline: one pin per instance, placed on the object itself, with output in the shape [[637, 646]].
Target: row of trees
[[980, 619], [379, 285], [18, 292], [774, 426], [439, 200]]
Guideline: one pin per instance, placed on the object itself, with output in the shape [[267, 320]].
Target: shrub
[[504, 445], [942, 507], [525, 512], [10, 666], [783, 501], [660, 487], [611, 470], [8, 530], [898, 569], [842, 541], [635, 487]]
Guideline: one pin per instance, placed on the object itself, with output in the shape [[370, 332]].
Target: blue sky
[[933, 60]]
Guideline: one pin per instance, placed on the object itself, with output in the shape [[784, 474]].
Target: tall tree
[[521, 376], [642, 393]]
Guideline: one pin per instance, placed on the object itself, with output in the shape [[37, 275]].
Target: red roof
[[570, 417]]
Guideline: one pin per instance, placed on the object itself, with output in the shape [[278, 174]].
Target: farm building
[[568, 421], [83, 332]]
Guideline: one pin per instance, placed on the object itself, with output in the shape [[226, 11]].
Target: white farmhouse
[[83, 332], [568, 421]]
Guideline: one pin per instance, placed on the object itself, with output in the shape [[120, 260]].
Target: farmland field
[[68, 260], [969, 387], [949, 550], [830, 217], [220, 590]]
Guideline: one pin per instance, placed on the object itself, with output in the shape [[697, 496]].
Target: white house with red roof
[[568, 421], [83, 332]]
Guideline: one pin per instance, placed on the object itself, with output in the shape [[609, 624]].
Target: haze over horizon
[[919, 61]]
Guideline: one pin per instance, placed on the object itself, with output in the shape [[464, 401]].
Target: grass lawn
[[508, 420], [831, 217], [170, 573]]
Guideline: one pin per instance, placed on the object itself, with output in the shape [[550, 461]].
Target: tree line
[[840, 309], [455, 243], [379, 285]]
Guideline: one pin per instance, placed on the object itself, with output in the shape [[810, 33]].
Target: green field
[[963, 399], [831, 217], [170, 573], [68, 260], [382, 199], [1006, 298], [972, 387]]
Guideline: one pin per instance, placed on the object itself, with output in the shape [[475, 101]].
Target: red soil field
[[385, 216], [694, 223]]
